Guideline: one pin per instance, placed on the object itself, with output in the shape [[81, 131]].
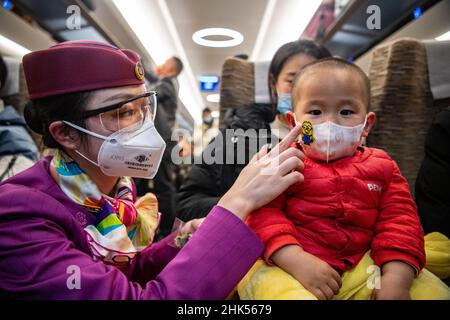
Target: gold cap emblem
[[139, 71]]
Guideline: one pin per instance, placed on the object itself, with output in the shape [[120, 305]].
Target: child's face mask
[[329, 141]]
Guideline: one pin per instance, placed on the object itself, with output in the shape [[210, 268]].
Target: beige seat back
[[243, 84], [403, 103]]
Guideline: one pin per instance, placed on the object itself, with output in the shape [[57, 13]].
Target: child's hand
[[313, 273], [395, 282], [318, 277], [390, 290]]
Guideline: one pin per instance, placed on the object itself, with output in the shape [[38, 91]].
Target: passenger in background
[[17, 149], [163, 185], [10, 91], [289, 59], [205, 132], [242, 56], [207, 182], [167, 91], [432, 191]]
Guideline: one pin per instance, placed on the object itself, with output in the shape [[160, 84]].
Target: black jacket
[[167, 98], [207, 183], [432, 185], [14, 137]]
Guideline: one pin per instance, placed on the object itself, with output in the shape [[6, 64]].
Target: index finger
[[287, 141], [261, 153]]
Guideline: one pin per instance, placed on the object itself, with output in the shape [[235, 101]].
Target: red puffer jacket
[[342, 210]]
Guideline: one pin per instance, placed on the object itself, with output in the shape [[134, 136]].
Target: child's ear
[[290, 119], [371, 117]]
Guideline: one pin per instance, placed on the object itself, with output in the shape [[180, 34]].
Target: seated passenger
[[225, 156], [353, 210], [17, 149], [289, 59], [433, 202]]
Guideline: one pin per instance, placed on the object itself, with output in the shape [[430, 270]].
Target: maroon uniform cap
[[75, 66]]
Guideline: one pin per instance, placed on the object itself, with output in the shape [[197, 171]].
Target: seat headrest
[[438, 56], [261, 82], [244, 83]]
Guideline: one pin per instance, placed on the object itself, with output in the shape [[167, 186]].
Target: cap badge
[[139, 71]]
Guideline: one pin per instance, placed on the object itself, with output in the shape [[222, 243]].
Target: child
[[353, 199]]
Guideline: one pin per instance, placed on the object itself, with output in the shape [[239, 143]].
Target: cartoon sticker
[[307, 133]]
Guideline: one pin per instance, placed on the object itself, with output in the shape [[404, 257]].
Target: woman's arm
[[152, 260], [39, 262]]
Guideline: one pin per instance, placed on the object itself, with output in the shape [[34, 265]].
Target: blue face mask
[[284, 103]]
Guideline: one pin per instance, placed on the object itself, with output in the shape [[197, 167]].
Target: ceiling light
[[283, 21], [7, 5], [12, 48], [199, 37], [444, 36], [142, 16], [417, 13], [263, 28], [213, 97]]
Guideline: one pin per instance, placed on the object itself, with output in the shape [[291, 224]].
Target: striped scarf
[[122, 227]]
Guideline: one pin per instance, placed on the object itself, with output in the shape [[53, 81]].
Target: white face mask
[[333, 141], [129, 153]]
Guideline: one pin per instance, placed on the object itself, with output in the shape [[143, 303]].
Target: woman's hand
[[191, 226], [266, 176]]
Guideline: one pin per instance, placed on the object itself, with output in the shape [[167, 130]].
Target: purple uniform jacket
[[42, 242]]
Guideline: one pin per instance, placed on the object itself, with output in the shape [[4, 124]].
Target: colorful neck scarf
[[122, 227]]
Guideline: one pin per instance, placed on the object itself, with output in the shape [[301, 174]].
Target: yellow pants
[[265, 282]]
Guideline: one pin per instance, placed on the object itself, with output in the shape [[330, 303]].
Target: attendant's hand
[[266, 176], [191, 226]]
